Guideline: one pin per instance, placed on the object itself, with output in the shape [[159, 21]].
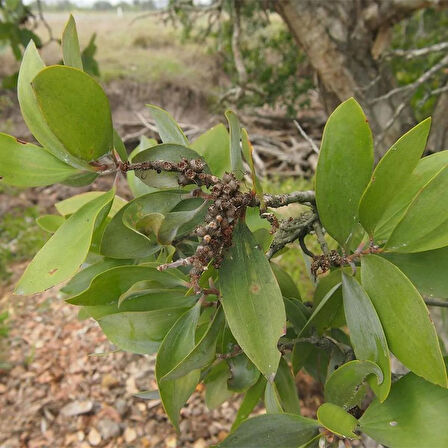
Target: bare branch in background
[[410, 88], [417, 52], [307, 137]]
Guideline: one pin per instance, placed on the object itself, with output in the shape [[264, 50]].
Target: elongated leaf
[[250, 292], [424, 225], [50, 223], [203, 352], [322, 305], [247, 151], [169, 130], [177, 344], [344, 385], [70, 45], [415, 415], [107, 287], [119, 146], [272, 431], [64, 252], [426, 169], [250, 400], [344, 169], [272, 399], [410, 333], [28, 165], [73, 204], [170, 152], [139, 332], [296, 313], [138, 187], [213, 146], [285, 281], [236, 158], [123, 241], [31, 65], [216, 391], [286, 389], [337, 420], [83, 278], [76, 110], [427, 270], [366, 332], [391, 172]]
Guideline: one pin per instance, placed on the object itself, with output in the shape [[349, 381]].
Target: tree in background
[[351, 47]]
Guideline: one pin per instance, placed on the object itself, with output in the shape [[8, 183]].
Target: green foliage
[[182, 270]]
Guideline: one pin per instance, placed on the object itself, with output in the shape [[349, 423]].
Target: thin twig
[[440, 303], [306, 137], [417, 52]]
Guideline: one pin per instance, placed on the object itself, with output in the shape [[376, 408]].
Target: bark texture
[[344, 40]]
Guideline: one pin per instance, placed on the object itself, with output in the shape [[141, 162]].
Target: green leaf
[[423, 226], [236, 159], [250, 292], [216, 391], [122, 240], [343, 170], [177, 344], [272, 399], [70, 45], [296, 313], [337, 420], [410, 333], [50, 223], [285, 281], [31, 65], [323, 304], [286, 388], [243, 374], [83, 278], [427, 270], [247, 151], [73, 204], [415, 415], [138, 332], [344, 385], [28, 165], [76, 109], [108, 286], [119, 146], [169, 152], [426, 169], [272, 431], [213, 146], [64, 252], [169, 130], [366, 333], [391, 172], [203, 352], [250, 400]]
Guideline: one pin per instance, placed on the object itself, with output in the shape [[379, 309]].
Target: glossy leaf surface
[[64, 252], [410, 333], [366, 333], [28, 165], [392, 171], [344, 169], [70, 45], [169, 130], [236, 158], [272, 431], [337, 420], [415, 415], [177, 344], [78, 116], [250, 292]]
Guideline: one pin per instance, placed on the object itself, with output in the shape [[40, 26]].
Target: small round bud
[[207, 238], [227, 178], [167, 166], [219, 218], [200, 231], [190, 174]]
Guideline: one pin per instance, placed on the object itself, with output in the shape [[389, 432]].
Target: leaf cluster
[[181, 269]]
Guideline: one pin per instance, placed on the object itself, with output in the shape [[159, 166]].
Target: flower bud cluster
[[227, 205]]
